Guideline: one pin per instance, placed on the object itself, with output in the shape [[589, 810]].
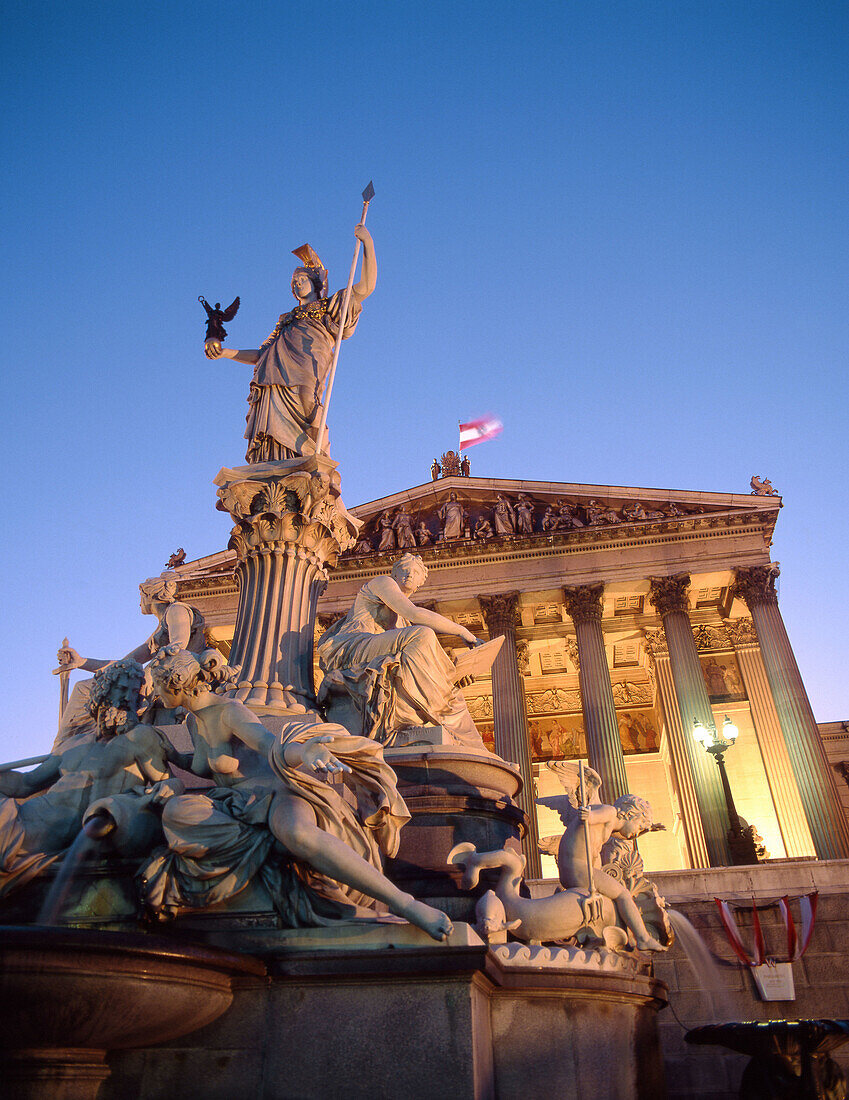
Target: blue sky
[[621, 226]]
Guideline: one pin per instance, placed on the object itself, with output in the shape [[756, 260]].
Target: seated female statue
[[178, 624], [386, 656]]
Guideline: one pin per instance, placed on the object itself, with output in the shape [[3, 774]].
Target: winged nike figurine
[[215, 329]]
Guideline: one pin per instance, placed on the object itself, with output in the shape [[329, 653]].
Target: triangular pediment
[[559, 512], [515, 509]]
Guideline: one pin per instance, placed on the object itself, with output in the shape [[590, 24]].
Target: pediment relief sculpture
[[480, 516]]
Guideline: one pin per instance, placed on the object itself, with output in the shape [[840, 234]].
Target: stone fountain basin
[[454, 769], [73, 988]]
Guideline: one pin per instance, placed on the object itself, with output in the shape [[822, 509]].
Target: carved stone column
[[779, 771], [512, 737], [604, 747], [290, 527], [677, 735], [814, 778], [669, 596]]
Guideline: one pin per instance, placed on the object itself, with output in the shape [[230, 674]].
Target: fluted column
[[814, 778], [677, 736], [669, 596], [290, 526], [512, 738], [604, 747], [789, 809]]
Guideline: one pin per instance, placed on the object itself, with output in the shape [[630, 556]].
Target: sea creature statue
[[216, 316], [491, 922], [177, 558], [596, 903]]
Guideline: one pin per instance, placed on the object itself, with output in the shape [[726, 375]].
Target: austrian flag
[[478, 431]]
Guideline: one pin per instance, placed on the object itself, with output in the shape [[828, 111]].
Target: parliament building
[[630, 616]]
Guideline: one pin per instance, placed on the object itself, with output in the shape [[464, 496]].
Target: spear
[[368, 195]]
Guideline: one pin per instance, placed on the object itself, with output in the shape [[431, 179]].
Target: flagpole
[[368, 195]]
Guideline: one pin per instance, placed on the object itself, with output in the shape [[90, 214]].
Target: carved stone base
[[453, 795]]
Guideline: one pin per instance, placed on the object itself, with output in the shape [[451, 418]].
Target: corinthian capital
[[500, 612], [293, 503], [584, 602], [756, 584], [670, 593]]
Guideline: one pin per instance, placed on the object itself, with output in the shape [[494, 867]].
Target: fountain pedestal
[[67, 997]]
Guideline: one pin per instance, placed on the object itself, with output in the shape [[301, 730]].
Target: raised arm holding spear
[[287, 418]]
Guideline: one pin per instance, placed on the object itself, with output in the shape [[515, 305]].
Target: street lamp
[[741, 841]]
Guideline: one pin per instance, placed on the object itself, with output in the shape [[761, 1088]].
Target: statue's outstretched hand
[[362, 234], [68, 659], [317, 757], [212, 349]]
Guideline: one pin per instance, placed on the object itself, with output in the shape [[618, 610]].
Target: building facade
[[628, 614]]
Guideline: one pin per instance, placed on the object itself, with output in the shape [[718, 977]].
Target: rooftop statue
[[178, 624], [275, 789], [762, 487], [292, 365], [43, 810], [384, 667]]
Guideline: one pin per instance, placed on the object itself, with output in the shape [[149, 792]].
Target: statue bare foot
[[433, 921], [649, 943]]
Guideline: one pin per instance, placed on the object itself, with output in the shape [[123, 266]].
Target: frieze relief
[[742, 631], [505, 516]]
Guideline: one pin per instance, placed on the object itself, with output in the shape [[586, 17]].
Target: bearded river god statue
[[292, 365]]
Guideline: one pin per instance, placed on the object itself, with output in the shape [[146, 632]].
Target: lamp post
[[741, 841]]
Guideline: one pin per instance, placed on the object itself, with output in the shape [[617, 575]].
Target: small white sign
[[775, 981]]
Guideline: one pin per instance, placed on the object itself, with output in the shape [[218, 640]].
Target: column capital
[[670, 593], [741, 631], [756, 585], [500, 612], [584, 602]]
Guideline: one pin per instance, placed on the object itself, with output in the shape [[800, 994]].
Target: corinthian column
[[677, 736], [669, 596], [290, 527], [779, 771], [604, 747], [826, 820], [512, 739]]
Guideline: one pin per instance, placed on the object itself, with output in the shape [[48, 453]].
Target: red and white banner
[[796, 945], [478, 431]]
